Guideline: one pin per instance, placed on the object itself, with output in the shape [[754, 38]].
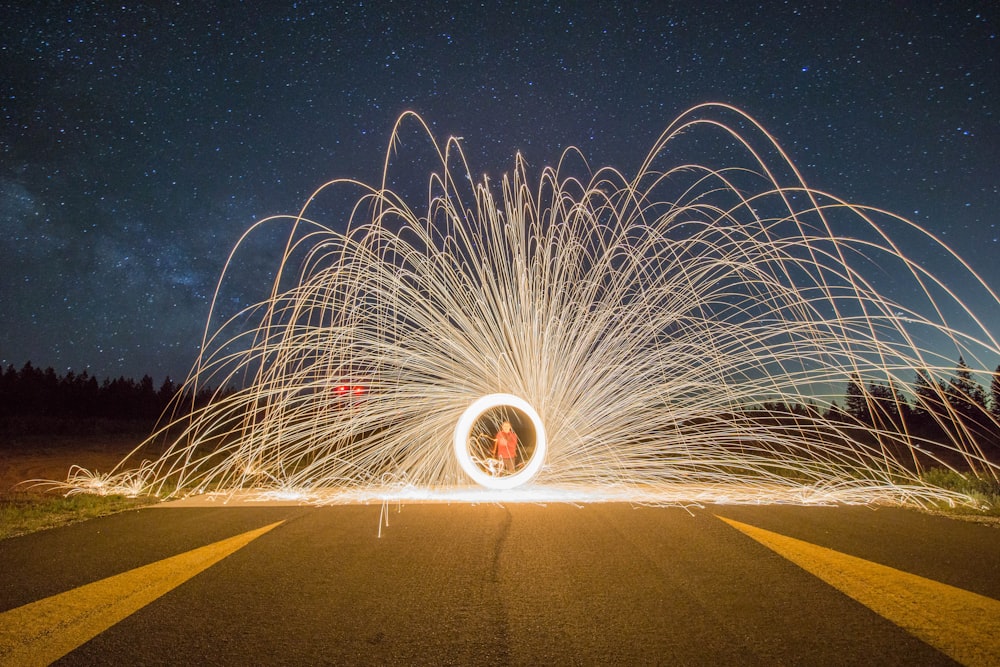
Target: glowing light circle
[[464, 427]]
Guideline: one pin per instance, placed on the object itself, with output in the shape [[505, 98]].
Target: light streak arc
[[646, 319], [461, 441]]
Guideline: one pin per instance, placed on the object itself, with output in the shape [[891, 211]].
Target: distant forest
[[957, 409], [959, 402], [32, 393]]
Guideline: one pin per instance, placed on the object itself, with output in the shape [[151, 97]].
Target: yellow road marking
[[41, 632], [959, 623]]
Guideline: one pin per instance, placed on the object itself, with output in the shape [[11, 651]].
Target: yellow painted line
[[41, 632], [957, 622]]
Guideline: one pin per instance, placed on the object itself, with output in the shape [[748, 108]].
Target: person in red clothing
[[505, 447]]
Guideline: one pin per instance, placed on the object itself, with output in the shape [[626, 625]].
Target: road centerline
[[41, 632], [962, 624]]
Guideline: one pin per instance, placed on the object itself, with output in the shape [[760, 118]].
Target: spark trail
[[661, 326]]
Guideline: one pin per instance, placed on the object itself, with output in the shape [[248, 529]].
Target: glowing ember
[[475, 470]]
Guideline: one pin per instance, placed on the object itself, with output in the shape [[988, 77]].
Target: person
[[505, 447]]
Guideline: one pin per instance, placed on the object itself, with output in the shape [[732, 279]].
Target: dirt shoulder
[[51, 457]]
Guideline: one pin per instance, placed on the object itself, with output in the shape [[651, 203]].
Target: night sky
[[139, 140]]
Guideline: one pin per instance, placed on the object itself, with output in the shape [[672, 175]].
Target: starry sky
[[139, 140]]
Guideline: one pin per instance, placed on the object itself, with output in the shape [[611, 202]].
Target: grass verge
[[25, 513], [986, 492]]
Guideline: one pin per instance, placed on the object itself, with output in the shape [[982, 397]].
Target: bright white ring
[[464, 428]]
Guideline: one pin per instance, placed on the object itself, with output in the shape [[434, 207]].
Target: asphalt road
[[497, 585]]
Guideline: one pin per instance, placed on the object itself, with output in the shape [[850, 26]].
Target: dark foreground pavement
[[490, 584]]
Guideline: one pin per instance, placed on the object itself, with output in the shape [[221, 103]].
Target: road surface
[[516, 584]]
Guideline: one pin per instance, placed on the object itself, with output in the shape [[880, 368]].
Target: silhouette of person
[[505, 447]]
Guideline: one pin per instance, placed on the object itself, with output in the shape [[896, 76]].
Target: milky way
[[139, 142]]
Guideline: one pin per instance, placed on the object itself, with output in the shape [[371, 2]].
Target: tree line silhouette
[[956, 410], [959, 409], [35, 393]]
